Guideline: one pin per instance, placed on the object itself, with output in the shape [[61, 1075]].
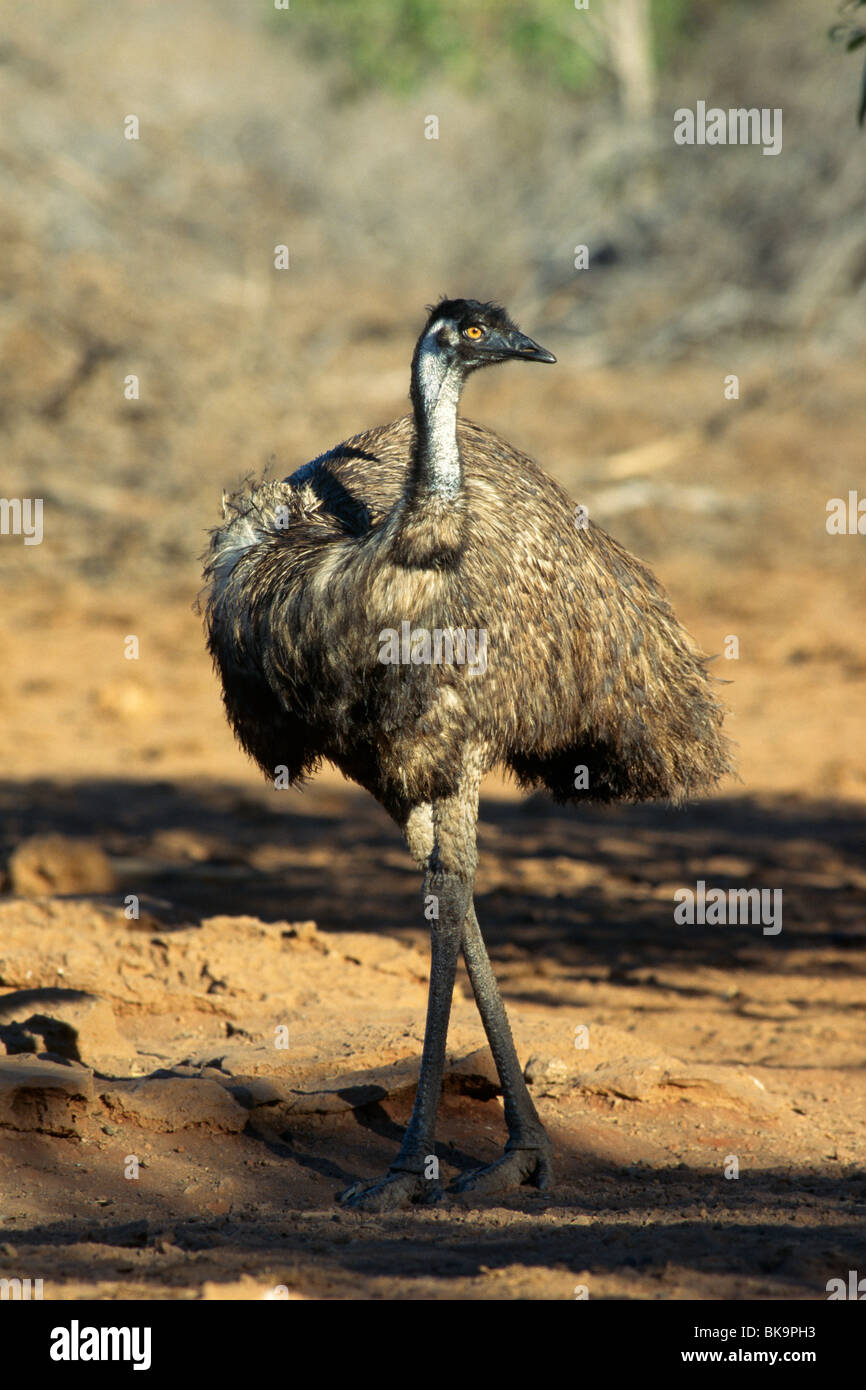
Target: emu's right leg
[[527, 1156], [413, 1176]]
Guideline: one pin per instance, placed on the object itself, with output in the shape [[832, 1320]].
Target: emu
[[590, 687]]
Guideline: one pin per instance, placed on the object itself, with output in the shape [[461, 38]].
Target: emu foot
[[396, 1189], [516, 1168]]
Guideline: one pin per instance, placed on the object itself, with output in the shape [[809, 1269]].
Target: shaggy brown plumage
[[585, 665]]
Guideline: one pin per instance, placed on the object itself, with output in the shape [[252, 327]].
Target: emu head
[[462, 334]]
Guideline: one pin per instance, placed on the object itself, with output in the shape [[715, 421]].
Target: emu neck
[[426, 530], [436, 387]]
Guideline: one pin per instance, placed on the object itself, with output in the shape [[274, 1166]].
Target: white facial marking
[[440, 390]]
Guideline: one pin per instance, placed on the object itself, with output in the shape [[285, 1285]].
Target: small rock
[[259, 1090], [473, 1075], [663, 1078], [174, 1103], [46, 1097], [626, 1079], [52, 864], [545, 1071], [67, 1022]]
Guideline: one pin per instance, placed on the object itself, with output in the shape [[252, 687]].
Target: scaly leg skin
[[527, 1158], [407, 1180]]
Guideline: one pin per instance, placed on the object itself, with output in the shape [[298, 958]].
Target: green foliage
[[853, 36], [399, 44]]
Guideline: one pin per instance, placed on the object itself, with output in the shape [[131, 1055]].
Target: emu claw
[[394, 1190], [516, 1168]]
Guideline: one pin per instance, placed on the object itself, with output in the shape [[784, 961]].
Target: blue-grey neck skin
[[437, 381]]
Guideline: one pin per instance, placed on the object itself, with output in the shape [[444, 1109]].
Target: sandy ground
[[158, 1141]]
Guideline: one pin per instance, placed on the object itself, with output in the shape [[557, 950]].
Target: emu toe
[[516, 1168], [394, 1190]]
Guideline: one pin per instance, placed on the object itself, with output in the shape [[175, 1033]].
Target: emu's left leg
[[448, 882], [527, 1156]]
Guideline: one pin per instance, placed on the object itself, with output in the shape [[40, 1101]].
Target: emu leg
[[414, 1174], [527, 1156]]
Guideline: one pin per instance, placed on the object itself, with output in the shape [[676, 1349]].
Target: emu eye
[[473, 331]]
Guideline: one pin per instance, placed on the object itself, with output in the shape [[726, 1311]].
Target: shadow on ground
[[332, 855], [584, 897]]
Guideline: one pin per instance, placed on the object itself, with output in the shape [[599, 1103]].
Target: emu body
[[589, 688]]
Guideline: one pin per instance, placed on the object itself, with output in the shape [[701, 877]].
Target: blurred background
[[154, 258], [306, 127]]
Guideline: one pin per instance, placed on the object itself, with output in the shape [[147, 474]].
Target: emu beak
[[526, 350]]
